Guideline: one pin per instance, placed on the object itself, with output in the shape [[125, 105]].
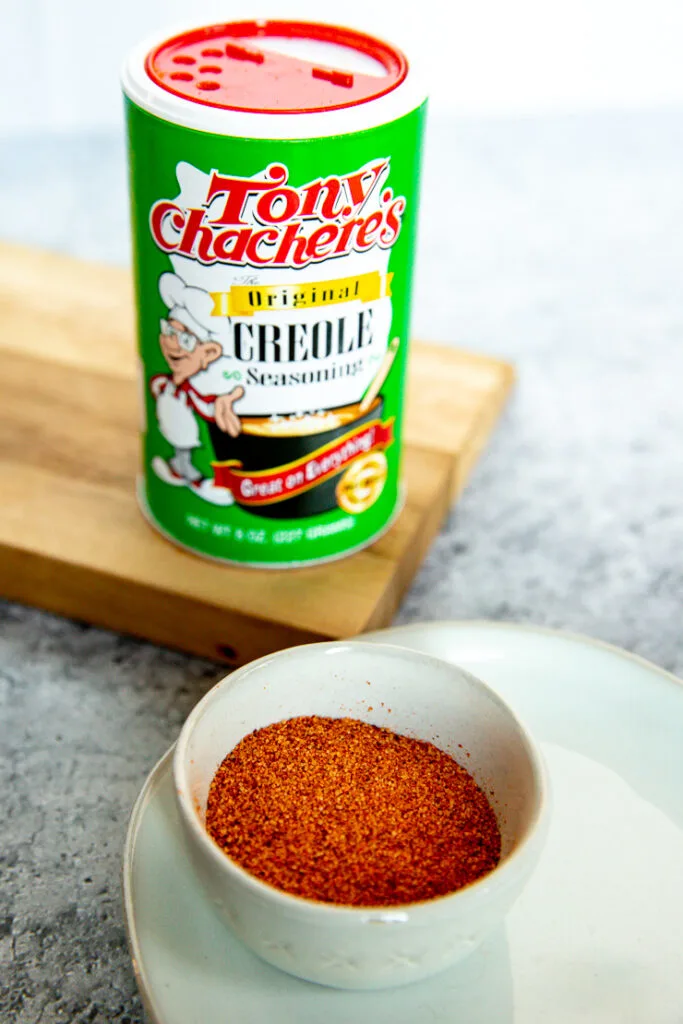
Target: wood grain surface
[[72, 539]]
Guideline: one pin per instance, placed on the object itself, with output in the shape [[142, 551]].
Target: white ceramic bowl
[[360, 947]]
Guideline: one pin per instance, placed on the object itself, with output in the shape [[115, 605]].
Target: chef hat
[[189, 306]]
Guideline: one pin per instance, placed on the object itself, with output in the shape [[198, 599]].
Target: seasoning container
[[274, 171], [328, 933]]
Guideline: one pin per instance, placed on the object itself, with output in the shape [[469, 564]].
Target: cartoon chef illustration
[[189, 347]]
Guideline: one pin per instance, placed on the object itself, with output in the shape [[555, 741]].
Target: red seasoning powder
[[338, 810]]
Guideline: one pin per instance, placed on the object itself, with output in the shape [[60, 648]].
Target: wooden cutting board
[[71, 537]]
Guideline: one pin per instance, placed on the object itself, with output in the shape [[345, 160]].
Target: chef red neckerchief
[[194, 398]]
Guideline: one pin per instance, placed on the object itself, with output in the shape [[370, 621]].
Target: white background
[[60, 58]]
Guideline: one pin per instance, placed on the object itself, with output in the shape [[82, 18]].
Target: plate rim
[[583, 639], [144, 797], [152, 779]]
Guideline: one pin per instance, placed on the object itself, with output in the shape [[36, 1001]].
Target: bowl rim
[[504, 874]]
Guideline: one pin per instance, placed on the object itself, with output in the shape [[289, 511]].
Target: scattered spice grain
[[341, 811]]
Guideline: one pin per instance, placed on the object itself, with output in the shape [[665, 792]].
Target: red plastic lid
[[237, 66]]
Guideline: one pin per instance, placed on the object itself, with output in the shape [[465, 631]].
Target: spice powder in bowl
[[343, 812]]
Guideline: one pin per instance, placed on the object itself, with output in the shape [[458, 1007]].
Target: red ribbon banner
[[265, 487]]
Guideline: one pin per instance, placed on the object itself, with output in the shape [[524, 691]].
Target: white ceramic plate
[[597, 935]]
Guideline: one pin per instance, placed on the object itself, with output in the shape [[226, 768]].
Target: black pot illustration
[[263, 445]]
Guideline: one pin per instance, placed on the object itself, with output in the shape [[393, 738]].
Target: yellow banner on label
[[247, 299]]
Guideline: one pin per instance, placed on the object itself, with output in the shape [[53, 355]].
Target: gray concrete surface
[[556, 243]]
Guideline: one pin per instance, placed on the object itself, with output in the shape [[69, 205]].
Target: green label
[[273, 283]]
